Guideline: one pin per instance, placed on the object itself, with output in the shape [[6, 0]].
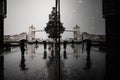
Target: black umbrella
[[23, 40]]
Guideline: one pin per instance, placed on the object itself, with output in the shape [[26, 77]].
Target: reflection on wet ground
[[40, 64]]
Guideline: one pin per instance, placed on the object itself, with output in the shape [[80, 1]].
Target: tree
[[54, 26]]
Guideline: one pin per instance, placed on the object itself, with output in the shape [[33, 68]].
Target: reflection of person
[[88, 62], [22, 47], [65, 54], [22, 64], [88, 45], [45, 55]]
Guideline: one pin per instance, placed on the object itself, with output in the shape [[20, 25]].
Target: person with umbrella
[[22, 46]]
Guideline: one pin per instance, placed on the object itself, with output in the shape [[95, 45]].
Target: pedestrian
[[88, 46], [45, 44], [36, 42], [22, 47], [64, 44]]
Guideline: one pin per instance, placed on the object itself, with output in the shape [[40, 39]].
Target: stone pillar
[[111, 13]]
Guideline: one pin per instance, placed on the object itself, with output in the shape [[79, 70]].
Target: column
[[111, 13]]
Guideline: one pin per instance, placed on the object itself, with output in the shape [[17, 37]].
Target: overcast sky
[[85, 13]]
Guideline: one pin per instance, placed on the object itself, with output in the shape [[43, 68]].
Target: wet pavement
[[38, 64]]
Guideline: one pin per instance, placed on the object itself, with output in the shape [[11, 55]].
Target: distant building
[[102, 37], [85, 35], [93, 37], [14, 37], [6, 37], [22, 35]]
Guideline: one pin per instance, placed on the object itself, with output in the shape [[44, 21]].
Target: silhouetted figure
[[22, 63], [64, 44], [36, 42], [65, 54], [22, 47], [72, 43], [45, 44], [45, 55], [88, 63], [88, 46]]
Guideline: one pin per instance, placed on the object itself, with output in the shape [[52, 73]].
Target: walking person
[[88, 46], [22, 47]]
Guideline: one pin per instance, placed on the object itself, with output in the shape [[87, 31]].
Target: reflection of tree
[[2, 67], [51, 49], [53, 69]]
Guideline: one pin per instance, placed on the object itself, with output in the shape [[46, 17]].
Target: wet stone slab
[[37, 64]]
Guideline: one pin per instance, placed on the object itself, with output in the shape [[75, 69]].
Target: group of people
[[88, 45]]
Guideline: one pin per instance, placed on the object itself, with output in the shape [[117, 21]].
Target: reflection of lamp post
[[3, 11]]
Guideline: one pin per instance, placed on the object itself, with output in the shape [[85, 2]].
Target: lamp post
[[55, 28]]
